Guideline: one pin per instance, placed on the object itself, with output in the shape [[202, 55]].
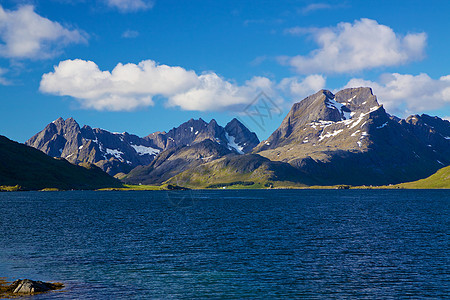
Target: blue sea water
[[232, 244]]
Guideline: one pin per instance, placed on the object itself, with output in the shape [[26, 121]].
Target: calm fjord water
[[229, 244]]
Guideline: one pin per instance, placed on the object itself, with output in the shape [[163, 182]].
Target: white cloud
[[130, 86], [314, 7], [214, 93], [301, 89], [25, 34], [130, 5], [130, 34], [3, 81], [446, 118], [407, 94], [300, 30], [348, 48]]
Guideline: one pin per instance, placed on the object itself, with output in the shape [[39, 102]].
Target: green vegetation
[[6, 188], [32, 169], [249, 171], [132, 187], [25, 168], [439, 180]]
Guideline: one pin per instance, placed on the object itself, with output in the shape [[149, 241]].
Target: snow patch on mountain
[[232, 144], [355, 133], [116, 153], [330, 134], [143, 150], [351, 99], [333, 104]]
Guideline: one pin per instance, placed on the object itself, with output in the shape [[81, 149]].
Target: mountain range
[[325, 139], [348, 138], [121, 152]]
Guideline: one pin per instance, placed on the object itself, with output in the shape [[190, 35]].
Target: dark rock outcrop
[[28, 287], [235, 136]]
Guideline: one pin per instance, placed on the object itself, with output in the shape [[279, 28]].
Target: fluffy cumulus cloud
[[129, 86], [300, 88], [406, 94], [130, 5], [352, 47], [26, 35], [212, 92]]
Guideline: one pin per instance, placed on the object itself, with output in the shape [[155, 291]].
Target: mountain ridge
[[343, 138], [121, 152], [348, 138]]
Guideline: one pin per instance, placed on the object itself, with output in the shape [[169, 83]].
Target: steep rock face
[[121, 152], [112, 152], [432, 131], [348, 138], [176, 160], [239, 137], [234, 136]]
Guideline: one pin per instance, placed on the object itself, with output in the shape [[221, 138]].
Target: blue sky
[[142, 66]]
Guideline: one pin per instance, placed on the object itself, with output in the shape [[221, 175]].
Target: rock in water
[[27, 286]]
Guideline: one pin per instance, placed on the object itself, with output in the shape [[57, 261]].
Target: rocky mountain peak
[[233, 136], [357, 100], [112, 152], [325, 110], [242, 139], [324, 132], [120, 152]]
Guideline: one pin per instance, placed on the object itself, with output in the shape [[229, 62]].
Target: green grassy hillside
[[439, 180], [31, 169], [241, 171]]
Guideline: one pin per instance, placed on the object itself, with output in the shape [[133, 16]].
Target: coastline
[[401, 186]]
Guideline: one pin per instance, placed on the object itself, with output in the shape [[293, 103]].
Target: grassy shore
[[439, 180]]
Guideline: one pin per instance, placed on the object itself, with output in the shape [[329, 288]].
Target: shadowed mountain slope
[[32, 169]]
